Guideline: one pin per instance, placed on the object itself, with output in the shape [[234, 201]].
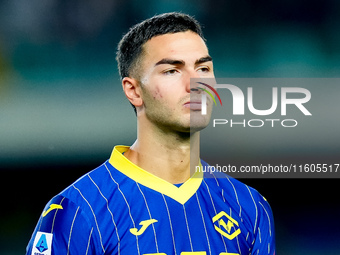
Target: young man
[[144, 199]]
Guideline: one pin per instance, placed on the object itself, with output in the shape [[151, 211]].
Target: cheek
[[166, 98], [157, 94]]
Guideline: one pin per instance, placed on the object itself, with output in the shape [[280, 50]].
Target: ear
[[132, 91]]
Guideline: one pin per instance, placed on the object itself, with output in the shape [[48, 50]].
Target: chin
[[198, 121], [189, 128], [197, 128]]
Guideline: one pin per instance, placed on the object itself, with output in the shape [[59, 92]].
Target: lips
[[193, 105]]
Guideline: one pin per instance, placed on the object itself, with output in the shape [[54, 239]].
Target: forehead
[[187, 46]]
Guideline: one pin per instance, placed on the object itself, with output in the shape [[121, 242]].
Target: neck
[[165, 154]]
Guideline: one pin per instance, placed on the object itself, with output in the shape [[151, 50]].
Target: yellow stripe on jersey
[[181, 194]]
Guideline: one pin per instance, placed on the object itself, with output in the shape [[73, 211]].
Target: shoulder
[[65, 227], [93, 190], [60, 214], [77, 217], [79, 201]]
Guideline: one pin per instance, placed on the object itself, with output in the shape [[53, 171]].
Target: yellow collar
[[181, 194]]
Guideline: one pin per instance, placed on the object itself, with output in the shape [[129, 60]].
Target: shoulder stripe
[[255, 208], [55, 214], [260, 234], [69, 238], [270, 228], [88, 243]]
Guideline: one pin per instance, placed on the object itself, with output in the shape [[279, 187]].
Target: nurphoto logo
[[243, 102]]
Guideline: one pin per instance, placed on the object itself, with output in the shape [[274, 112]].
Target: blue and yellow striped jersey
[[120, 208]]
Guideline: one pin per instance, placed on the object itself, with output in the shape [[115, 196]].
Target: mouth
[[193, 105]]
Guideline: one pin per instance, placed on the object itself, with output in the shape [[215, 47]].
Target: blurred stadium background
[[62, 109]]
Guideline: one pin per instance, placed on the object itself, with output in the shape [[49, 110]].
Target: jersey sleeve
[[265, 233], [63, 228]]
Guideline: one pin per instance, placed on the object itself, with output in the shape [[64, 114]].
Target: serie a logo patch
[[42, 244]]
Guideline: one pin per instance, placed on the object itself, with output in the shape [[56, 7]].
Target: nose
[[188, 80]]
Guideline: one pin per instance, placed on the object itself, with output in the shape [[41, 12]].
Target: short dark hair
[[130, 47]]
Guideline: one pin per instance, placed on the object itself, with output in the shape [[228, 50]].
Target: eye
[[204, 69], [170, 72]]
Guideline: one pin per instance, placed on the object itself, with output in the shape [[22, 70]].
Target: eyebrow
[[170, 61], [203, 60]]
